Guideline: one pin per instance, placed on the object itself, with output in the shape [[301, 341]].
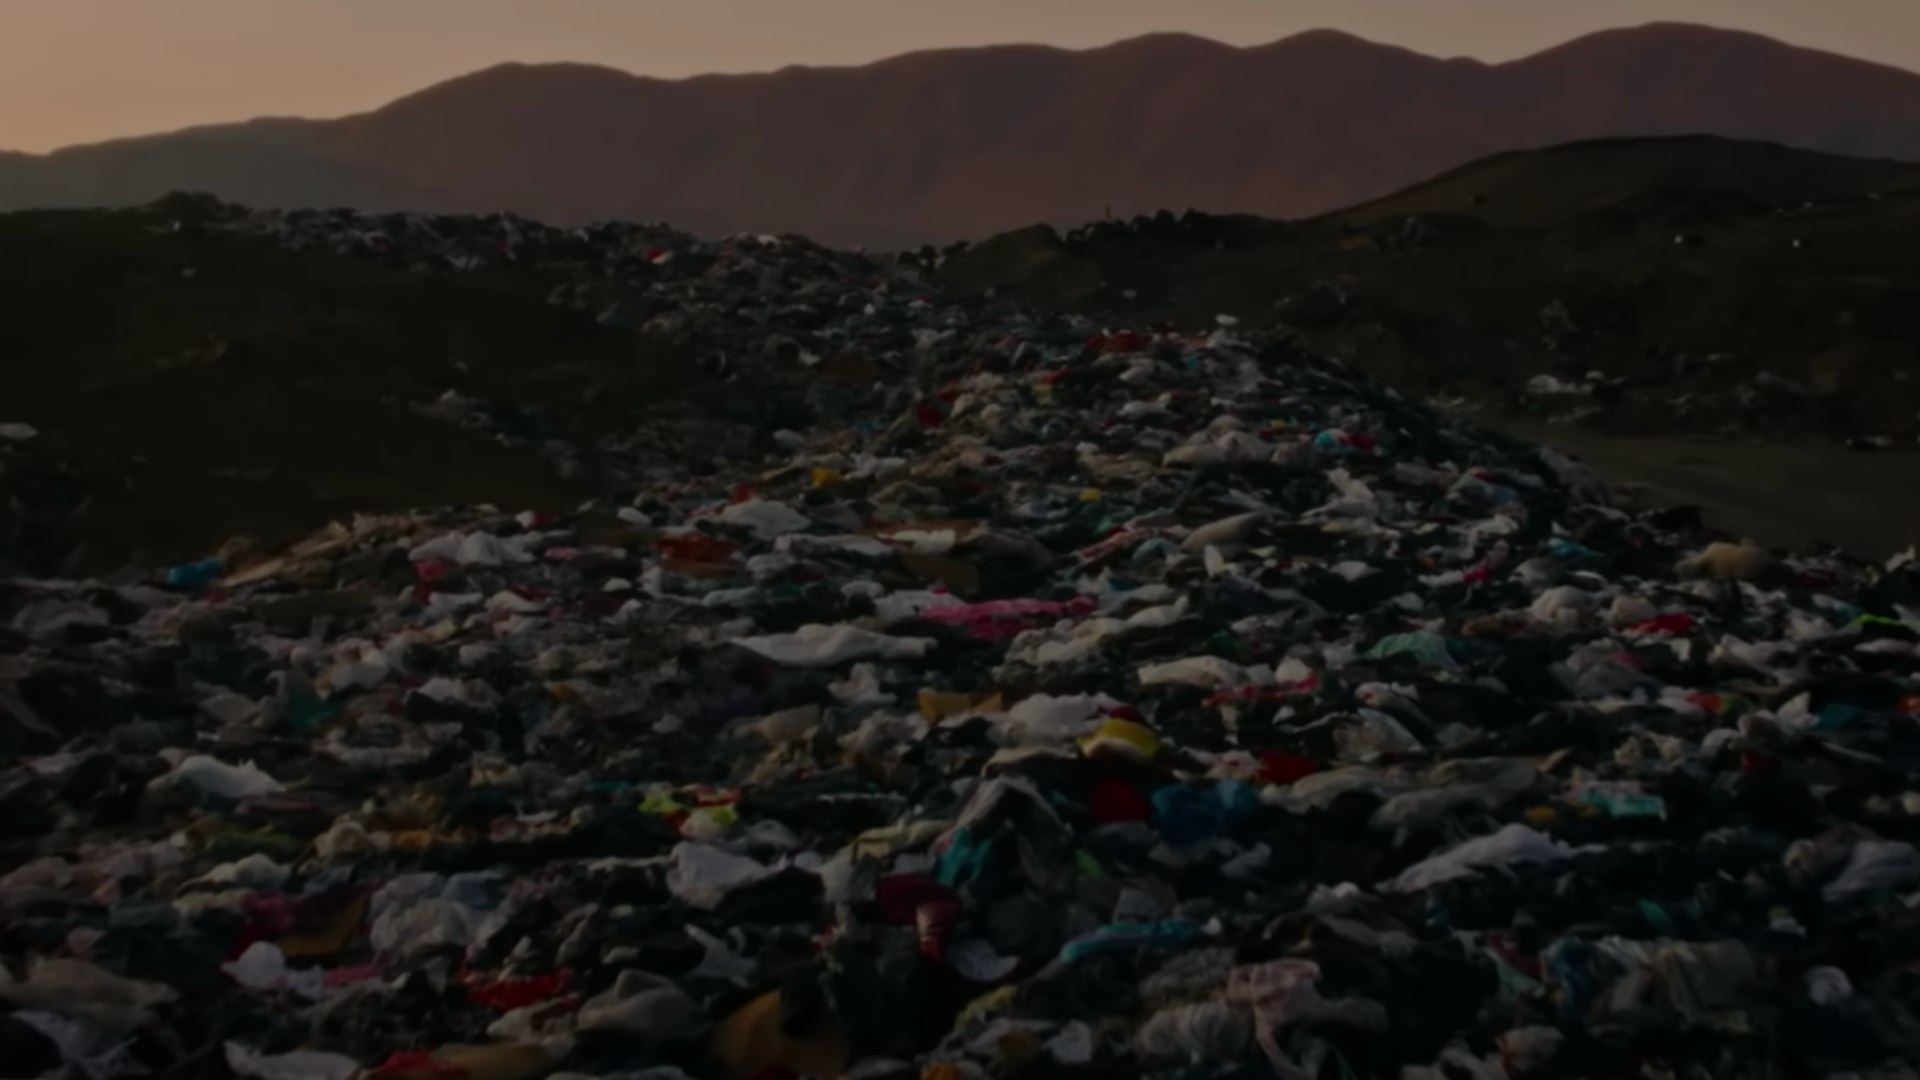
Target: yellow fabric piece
[[884, 843], [988, 1004], [661, 803], [725, 816], [937, 705], [1122, 737], [750, 1043]]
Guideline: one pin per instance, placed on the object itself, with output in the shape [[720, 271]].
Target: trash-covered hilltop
[[1695, 313], [1045, 699], [197, 372]]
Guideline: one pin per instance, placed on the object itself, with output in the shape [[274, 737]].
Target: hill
[[191, 383], [1669, 286], [952, 144], [1554, 185]]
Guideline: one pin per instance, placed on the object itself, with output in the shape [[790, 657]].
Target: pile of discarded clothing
[[1113, 704]]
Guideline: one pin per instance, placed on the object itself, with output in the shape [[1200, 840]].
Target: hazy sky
[[81, 70]]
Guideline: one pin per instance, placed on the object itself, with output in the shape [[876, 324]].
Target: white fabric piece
[[1828, 985], [1874, 864], [508, 600], [1206, 672], [1511, 846], [211, 776], [471, 693], [703, 875], [907, 603], [98, 1054], [1044, 648], [75, 988], [298, 1065], [442, 604], [256, 871], [470, 549], [861, 688], [1073, 1045], [765, 518], [1224, 531], [644, 1005], [49, 619], [1045, 720], [806, 544], [816, 645], [264, 967], [925, 541], [428, 924]]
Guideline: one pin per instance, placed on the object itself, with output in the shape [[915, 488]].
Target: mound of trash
[[1718, 312], [195, 371], [1068, 702]]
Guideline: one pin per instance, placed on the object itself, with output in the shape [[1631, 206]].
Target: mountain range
[[951, 144]]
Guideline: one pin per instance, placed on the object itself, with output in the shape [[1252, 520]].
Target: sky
[[76, 71]]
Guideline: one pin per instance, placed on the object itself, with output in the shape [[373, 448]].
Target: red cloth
[[417, 1062], [698, 549], [510, 994], [1279, 767], [934, 921], [1681, 623], [900, 895], [1124, 342], [1116, 800]]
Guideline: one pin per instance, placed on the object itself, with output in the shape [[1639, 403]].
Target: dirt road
[[1777, 494]]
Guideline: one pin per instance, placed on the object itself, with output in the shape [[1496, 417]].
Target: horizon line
[[1318, 32]]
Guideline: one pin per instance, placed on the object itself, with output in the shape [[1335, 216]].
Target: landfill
[[1048, 699]]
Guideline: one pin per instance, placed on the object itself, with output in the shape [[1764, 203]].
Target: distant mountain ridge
[[949, 144]]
